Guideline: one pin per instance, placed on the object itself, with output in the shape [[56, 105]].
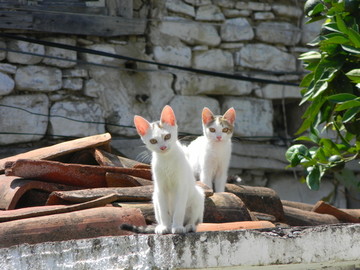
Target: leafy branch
[[331, 89]]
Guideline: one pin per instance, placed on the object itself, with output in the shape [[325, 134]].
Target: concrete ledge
[[300, 245]]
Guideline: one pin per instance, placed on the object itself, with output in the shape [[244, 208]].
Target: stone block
[[74, 84], [6, 84], [179, 6], [193, 84], [93, 89], [215, 59], [99, 59], [263, 16], [236, 30], [180, 56], [75, 73], [26, 47], [76, 118], [287, 10], [253, 116], [124, 94], [191, 33], [266, 57], [60, 53], [225, 3], [278, 33], [7, 68], [188, 112], [209, 13], [38, 78], [273, 91], [235, 13], [198, 2], [256, 6], [27, 118]]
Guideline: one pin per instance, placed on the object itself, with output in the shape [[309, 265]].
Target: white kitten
[[209, 155], [178, 202]]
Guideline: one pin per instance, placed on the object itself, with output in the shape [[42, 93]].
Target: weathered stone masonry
[[256, 39]]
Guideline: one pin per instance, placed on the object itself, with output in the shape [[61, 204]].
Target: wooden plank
[[71, 23]]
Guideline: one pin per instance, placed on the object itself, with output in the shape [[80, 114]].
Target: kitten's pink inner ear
[[230, 115], [168, 116], [141, 124], [207, 115]]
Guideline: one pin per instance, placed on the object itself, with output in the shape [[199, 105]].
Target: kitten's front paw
[[190, 228], [161, 229], [179, 229]]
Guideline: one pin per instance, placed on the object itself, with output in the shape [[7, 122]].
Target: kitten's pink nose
[[218, 138], [162, 148]]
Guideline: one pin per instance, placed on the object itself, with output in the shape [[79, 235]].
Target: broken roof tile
[[12, 190], [69, 174], [89, 223], [105, 158], [60, 149], [322, 207], [37, 211], [231, 226]]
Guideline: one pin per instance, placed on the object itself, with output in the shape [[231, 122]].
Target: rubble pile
[[79, 189]]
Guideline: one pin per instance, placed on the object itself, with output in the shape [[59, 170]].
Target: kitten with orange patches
[[209, 155], [178, 202]]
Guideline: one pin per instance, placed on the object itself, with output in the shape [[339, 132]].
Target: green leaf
[[313, 178], [303, 138], [338, 98], [351, 49], [310, 114], [354, 37], [350, 114], [335, 39], [316, 10], [347, 105], [308, 56], [307, 80], [295, 153], [314, 134], [332, 27], [329, 147], [354, 75], [341, 24]]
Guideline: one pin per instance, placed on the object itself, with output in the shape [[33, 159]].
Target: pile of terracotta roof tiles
[[79, 189]]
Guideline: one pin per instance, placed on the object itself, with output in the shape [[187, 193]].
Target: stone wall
[[77, 94]]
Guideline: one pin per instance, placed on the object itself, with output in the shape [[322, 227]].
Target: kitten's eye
[[167, 137], [212, 130], [153, 141], [225, 130]]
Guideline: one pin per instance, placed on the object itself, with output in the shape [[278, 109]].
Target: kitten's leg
[[179, 213], [161, 215], [195, 210], [205, 177], [220, 181]]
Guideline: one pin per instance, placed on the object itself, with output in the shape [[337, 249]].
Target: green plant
[[331, 89]]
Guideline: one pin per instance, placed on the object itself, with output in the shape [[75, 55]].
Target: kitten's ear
[[230, 115], [207, 116], [168, 116], [141, 124]]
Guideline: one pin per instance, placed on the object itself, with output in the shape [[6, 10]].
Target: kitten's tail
[[138, 229]]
